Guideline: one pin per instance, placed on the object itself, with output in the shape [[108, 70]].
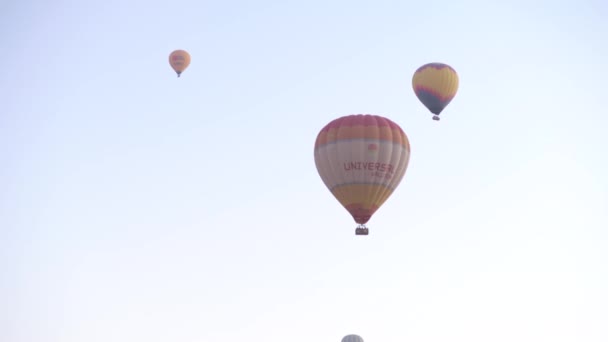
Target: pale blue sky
[[136, 206]]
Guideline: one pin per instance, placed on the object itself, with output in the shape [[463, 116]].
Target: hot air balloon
[[361, 159], [435, 85], [352, 338], [179, 60]]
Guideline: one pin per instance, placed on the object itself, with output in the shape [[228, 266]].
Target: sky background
[[138, 206]]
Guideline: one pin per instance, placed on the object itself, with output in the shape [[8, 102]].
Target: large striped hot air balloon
[[362, 159], [179, 60], [435, 85], [352, 338]]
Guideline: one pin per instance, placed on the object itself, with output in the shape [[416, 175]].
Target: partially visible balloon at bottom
[[352, 338]]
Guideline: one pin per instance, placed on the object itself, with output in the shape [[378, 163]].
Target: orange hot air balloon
[[435, 85], [362, 159], [179, 60]]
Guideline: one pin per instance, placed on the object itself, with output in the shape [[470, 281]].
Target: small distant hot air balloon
[[179, 60], [352, 338], [361, 159], [435, 85]]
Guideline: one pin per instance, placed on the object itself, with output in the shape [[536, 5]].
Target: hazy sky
[[138, 206]]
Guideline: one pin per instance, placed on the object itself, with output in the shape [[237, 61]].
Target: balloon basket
[[436, 117], [361, 230]]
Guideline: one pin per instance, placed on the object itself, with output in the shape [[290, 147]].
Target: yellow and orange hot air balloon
[[361, 159], [179, 60], [435, 85]]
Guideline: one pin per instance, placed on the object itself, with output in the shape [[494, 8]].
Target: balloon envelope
[[435, 85], [352, 338], [179, 61], [361, 159]]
